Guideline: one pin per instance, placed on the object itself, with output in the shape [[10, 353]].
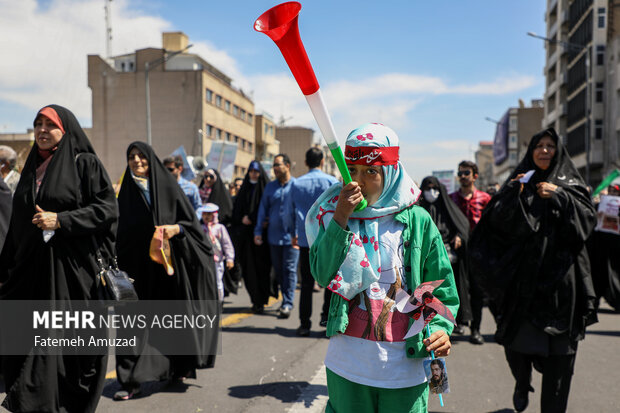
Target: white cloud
[[45, 61], [421, 159], [45, 57]]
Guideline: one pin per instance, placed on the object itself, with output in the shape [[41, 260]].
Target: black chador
[[255, 260], [451, 222], [164, 203], [77, 188], [529, 255]]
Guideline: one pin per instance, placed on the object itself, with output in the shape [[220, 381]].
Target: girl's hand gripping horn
[[280, 24]]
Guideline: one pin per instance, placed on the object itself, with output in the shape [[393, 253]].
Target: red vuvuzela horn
[[280, 24]]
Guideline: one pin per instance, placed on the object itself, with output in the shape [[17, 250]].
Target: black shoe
[[258, 309], [520, 400], [323, 323], [458, 330], [303, 331], [476, 337], [285, 312]]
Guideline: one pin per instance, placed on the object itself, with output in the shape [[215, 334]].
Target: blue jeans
[[284, 260]]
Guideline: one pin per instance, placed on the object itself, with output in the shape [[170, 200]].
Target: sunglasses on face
[[464, 173], [209, 177], [171, 169]]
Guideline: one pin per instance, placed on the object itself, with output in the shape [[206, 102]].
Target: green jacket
[[425, 260]]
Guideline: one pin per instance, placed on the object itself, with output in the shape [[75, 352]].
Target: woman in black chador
[[149, 197], [529, 253], [454, 229], [212, 189], [254, 259], [65, 189]]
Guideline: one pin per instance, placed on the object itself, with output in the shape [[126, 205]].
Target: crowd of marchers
[[530, 249]]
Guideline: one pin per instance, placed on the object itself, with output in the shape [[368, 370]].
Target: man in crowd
[[271, 212], [304, 191], [471, 202], [8, 167], [175, 165]]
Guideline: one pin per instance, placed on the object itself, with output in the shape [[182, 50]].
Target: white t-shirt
[[381, 364]]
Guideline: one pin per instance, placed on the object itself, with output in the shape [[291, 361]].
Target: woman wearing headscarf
[[66, 197], [366, 258], [454, 229], [254, 259], [150, 197], [212, 189], [529, 254]]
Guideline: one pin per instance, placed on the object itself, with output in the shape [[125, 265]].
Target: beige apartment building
[[191, 104]]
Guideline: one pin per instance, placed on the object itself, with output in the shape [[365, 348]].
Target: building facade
[[611, 125], [265, 134], [575, 71], [192, 104], [295, 142], [512, 136], [484, 161]]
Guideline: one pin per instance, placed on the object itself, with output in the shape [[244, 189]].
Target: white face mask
[[431, 195]]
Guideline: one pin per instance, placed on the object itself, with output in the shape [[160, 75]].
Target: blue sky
[[430, 70]]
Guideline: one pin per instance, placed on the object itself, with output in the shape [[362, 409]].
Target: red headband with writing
[[371, 155]]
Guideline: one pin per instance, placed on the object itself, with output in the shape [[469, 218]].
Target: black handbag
[[114, 283]]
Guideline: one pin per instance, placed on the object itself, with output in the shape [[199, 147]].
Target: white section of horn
[[321, 115]]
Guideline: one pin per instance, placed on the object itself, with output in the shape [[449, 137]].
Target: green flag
[[612, 175]]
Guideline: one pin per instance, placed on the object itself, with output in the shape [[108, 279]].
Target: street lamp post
[[578, 47], [148, 66]]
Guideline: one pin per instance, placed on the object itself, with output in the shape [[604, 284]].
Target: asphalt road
[[265, 367]]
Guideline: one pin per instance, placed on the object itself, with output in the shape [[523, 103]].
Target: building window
[[209, 96], [235, 110], [218, 134], [209, 129], [227, 136], [131, 66], [250, 147], [242, 114], [266, 129], [513, 123], [600, 55], [236, 139], [250, 118], [227, 105], [598, 129], [601, 17], [598, 92], [218, 101]]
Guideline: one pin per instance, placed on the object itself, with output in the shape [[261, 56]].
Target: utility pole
[[108, 29]]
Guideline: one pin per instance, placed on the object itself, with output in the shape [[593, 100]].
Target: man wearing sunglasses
[[471, 201], [175, 165]]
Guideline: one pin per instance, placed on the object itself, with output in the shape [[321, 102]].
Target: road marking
[[314, 397], [228, 321]]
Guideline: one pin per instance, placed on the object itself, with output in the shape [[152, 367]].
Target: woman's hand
[[170, 230], [245, 220], [349, 197], [230, 264], [45, 220], [439, 342], [545, 189]]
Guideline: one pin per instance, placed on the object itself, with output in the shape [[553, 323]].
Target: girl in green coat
[[365, 258]]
